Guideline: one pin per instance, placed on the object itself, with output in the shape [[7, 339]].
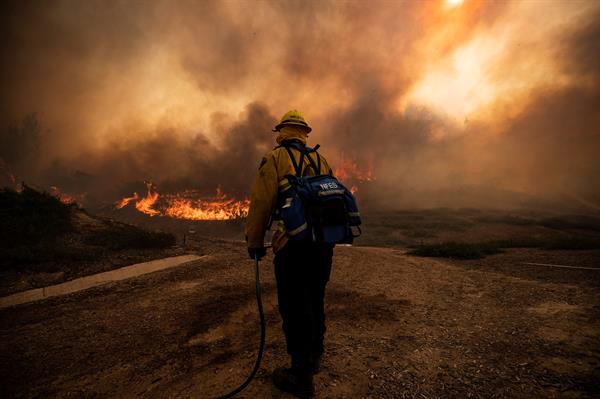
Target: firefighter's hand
[[257, 252]]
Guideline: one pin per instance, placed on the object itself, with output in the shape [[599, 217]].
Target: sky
[[450, 103]]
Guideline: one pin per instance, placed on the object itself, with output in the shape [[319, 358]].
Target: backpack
[[316, 208]]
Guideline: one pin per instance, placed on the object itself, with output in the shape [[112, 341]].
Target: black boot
[[298, 383]]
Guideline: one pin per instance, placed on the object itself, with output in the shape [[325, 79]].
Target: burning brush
[[348, 170], [189, 204]]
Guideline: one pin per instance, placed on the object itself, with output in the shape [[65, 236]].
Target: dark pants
[[302, 271]]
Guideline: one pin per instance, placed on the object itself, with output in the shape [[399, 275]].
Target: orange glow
[[453, 3], [493, 66], [64, 198], [438, 94], [348, 169], [188, 205]]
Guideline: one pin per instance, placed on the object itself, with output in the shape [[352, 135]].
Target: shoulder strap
[[297, 168], [318, 171], [312, 165], [302, 155], [304, 152], [318, 162]]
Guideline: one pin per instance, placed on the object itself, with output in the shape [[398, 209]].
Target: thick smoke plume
[[468, 105]]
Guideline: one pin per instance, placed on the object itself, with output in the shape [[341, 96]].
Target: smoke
[[466, 106]]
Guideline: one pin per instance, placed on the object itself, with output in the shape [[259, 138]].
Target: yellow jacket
[[275, 165]]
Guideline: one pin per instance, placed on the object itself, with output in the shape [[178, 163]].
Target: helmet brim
[[306, 127]]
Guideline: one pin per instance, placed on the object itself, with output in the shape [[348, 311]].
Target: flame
[[145, 204], [348, 169], [125, 201], [218, 208], [188, 205], [62, 197]]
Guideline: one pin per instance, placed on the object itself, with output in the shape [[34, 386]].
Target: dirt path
[[399, 327]]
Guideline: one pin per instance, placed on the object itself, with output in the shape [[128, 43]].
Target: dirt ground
[[398, 327]]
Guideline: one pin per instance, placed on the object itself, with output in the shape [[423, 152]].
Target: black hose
[[261, 346]]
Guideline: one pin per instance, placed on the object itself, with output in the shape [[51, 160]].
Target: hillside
[[44, 241]]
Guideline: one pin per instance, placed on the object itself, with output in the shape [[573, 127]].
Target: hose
[[261, 346]]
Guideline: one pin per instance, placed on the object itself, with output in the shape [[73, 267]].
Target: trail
[[398, 326]]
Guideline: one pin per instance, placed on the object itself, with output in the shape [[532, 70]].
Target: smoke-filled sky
[[435, 96]]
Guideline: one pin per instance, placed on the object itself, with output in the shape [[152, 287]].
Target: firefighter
[[302, 268]]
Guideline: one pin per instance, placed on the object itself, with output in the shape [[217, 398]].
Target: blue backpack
[[316, 208]]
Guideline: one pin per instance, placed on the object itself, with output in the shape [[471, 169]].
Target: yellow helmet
[[293, 117]]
